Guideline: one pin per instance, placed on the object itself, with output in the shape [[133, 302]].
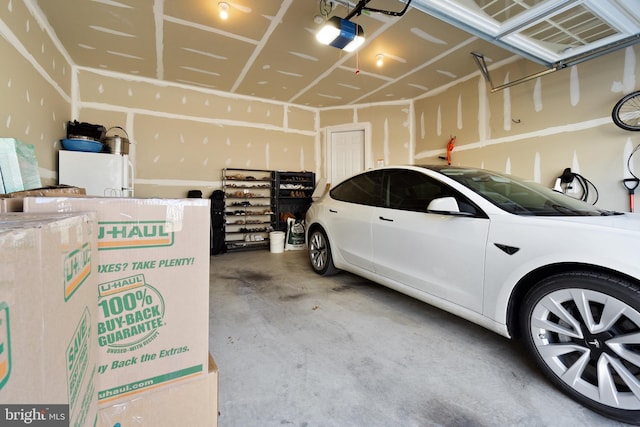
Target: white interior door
[[347, 150]]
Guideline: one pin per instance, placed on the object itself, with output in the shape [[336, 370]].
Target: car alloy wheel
[[320, 253], [583, 329]]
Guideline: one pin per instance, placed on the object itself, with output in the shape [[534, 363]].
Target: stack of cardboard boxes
[[48, 305], [146, 302]]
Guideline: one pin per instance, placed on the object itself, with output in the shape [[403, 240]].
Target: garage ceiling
[[267, 48], [551, 32]]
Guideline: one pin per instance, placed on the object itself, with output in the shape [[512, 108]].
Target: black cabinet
[[292, 195]]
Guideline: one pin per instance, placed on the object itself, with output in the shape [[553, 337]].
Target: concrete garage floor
[[297, 349]]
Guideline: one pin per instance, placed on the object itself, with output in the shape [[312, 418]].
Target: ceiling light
[[224, 10], [379, 60], [341, 33]]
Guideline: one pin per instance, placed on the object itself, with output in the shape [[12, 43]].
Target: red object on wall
[[450, 146]]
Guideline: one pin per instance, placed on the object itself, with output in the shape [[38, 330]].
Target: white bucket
[[276, 242]]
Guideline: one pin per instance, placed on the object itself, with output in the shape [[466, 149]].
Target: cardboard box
[[48, 305], [10, 205], [51, 191], [153, 290], [13, 202], [18, 166], [191, 403]]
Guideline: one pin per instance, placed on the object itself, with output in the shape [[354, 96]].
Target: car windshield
[[521, 197]]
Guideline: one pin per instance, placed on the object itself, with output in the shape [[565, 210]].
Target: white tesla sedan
[[510, 255]]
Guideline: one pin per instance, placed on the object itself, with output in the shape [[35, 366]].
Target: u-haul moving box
[[189, 403], [48, 305], [153, 290]]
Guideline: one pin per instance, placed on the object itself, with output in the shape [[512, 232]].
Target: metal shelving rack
[[249, 211]]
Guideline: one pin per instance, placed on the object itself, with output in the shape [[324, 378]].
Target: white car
[[515, 257]]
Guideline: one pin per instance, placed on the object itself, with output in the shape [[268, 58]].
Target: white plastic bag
[[295, 239]]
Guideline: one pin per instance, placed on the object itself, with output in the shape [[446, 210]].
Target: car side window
[[410, 190], [364, 189], [413, 191]]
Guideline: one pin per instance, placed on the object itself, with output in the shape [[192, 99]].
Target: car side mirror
[[446, 206]]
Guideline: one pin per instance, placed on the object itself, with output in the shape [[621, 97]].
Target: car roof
[[435, 168]]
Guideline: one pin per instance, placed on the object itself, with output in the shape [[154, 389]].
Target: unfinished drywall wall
[[538, 128], [182, 137], [35, 80]]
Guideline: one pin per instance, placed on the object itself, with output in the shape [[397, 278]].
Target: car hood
[[626, 221]]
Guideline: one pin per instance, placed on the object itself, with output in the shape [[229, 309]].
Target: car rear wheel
[[320, 253], [583, 329]]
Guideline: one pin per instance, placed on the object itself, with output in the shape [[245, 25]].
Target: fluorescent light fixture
[[341, 33]]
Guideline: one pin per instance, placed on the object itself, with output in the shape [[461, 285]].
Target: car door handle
[[385, 219], [333, 211]]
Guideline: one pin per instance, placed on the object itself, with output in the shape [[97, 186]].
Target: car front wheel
[[320, 253], [583, 329]]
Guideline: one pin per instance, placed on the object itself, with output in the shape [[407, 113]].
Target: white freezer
[[100, 174]]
